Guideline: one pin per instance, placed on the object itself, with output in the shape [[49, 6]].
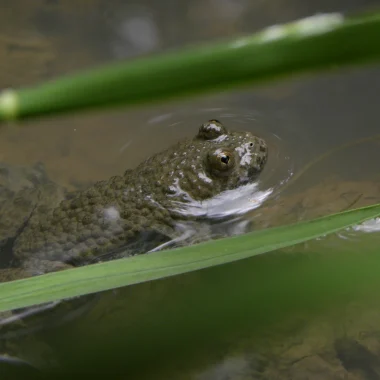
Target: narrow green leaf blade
[[123, 272], [315, 43]]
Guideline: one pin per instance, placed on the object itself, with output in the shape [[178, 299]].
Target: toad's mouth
[[250, 176]]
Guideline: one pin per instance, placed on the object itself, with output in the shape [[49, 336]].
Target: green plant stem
[[319, 42], [133, 270]]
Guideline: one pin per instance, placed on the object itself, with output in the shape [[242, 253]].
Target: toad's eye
[[211, 130], [220, 162], [225, 159]]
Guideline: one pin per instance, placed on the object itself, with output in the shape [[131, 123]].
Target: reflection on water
[[298, 316]]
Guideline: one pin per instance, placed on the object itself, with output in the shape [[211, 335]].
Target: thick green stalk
[[319, 42]]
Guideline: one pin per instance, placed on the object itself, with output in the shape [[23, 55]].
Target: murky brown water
[[301, 119]]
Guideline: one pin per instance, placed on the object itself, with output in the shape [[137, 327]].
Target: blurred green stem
[[319, 42]]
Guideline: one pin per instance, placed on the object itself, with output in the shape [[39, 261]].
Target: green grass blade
[[123, 272], [319, 42]]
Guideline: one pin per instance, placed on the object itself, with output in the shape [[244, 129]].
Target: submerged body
[[134, 213]]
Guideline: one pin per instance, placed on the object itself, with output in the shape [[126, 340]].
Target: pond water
[[309, 312]]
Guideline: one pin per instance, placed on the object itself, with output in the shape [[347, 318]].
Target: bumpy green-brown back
[[141, 209]]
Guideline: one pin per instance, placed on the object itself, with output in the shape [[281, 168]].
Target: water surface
[[301, 118]]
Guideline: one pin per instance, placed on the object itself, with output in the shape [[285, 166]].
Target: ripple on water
[[234, 205]]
